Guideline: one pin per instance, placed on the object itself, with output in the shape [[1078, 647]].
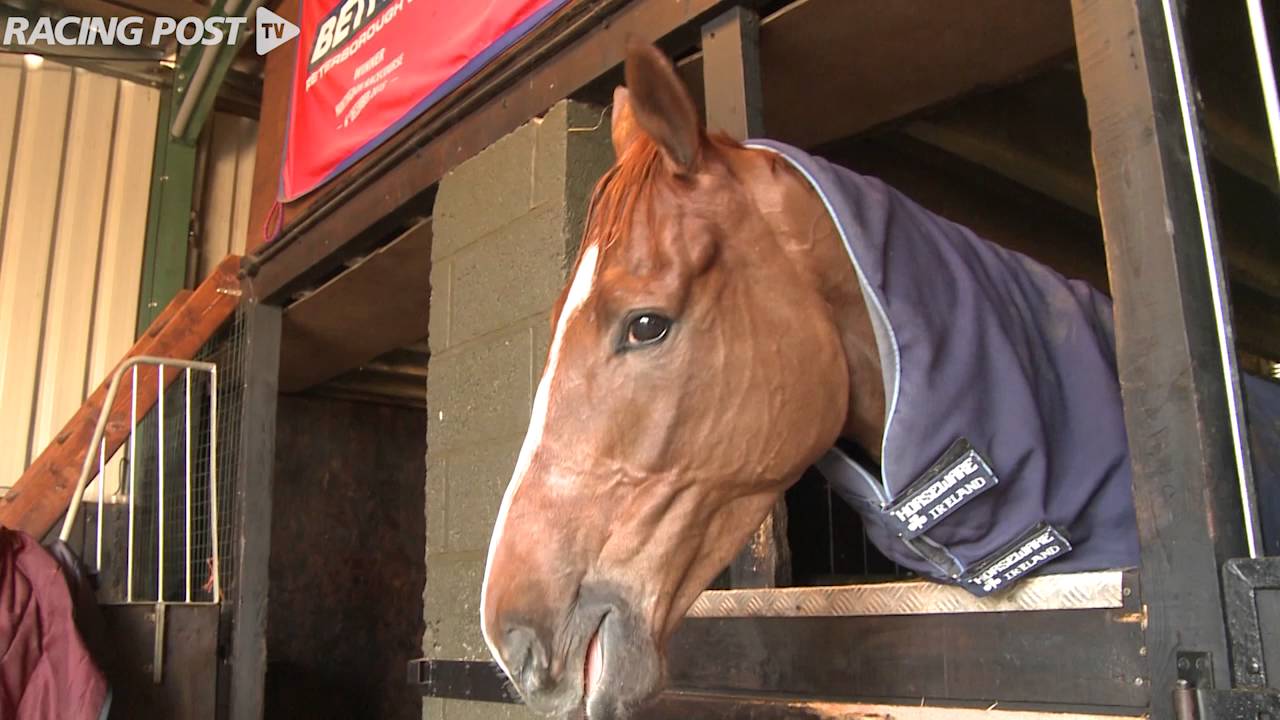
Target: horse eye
[[647, 329]]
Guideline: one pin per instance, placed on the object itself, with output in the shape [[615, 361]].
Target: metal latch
[[1209, 704]]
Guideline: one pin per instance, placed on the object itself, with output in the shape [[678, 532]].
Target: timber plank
[[41, 495], [1018, 657], [1171, 367], [277, 80], [372, 308]]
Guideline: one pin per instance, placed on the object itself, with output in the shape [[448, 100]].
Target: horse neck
[[809, 236]]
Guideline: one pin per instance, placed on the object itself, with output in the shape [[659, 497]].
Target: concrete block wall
[[507, 224]]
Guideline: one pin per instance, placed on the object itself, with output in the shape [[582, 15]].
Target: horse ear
[[623, 124], [662, 107]]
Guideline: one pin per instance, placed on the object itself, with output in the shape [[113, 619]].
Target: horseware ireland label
[[960, 475], [1035, 547]]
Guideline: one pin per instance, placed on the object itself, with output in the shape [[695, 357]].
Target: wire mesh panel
[[172, 557], [226, 350], [155, 525]]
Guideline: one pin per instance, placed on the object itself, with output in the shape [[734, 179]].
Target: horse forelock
[[629, 184]]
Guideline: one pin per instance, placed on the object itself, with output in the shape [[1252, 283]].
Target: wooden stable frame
[[1126, 661]]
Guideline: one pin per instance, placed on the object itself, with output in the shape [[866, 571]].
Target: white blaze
[[579, 291]]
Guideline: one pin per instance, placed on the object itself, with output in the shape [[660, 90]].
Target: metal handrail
[[98, 442]]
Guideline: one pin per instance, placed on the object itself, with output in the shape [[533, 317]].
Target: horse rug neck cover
[[1004, 449]]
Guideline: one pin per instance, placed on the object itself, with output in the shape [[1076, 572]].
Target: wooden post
[[731, 73], [246, 663], [731, 76], [1171, 367]]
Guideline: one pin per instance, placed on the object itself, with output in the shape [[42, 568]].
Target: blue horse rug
[[1004, 450]]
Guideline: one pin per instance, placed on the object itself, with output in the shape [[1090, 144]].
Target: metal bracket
[[1195, 698], [462, 680], [1209, 704], [1195, 670], [1242, 578], [157, 653]]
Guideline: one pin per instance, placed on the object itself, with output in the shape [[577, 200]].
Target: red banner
[[365, 68]]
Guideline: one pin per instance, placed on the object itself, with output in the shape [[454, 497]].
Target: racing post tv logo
[[273, 31], [270, 31]]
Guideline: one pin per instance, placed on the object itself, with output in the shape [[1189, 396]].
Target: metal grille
[[227, 351], [185, 511], [182, 451]]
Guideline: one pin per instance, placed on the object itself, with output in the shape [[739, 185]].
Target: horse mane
[[633, 178]]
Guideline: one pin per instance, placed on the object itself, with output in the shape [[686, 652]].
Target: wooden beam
[[43, 492], [735, 105], [1052, 657], [1240, 149], [1037, 167], [1190, 513], [709, 706], [1010, 214], [895, 58], [731, 73], [277, 81], [1059, 660], [1040, 145], [1257, 322], [376, 306]]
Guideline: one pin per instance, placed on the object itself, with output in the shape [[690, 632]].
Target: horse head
[[704, 353]]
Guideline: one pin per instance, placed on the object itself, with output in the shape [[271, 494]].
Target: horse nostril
[[526, 657]]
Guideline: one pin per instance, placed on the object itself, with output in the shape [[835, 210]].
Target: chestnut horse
[[713, 342], [693, 244]]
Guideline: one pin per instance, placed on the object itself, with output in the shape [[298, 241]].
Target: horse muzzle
[[608, 666]]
